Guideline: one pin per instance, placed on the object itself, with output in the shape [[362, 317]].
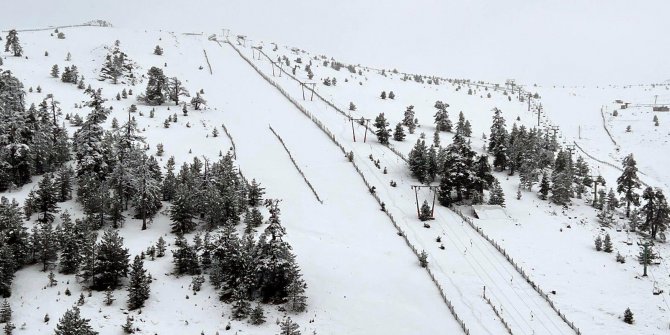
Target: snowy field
[[363, 278]]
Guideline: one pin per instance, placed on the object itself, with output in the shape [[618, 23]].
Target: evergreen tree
[[628, 316], [656, 212], [176, 89], [117, 65], [5, 312], [255, 194], [46, 199], [544, 186], [408, 121], [128, 327], [160, 247], [197, 101], [138, 287], [111, 261], [497, 197], [170, 181], [7, 268], [442, 122], [257, 316], [12, 43], [183, 211], [628, 182], [73, 324], [55, 72], [288, 327], [148, 198], [425, 213], [185, 258], [156, 87], [383, 132], [296, 301], [598, 243], [158, 50], [607, 244], [417, 160], [399, 133], [498, 140], [48, 245], [241, 305], [483, 177]]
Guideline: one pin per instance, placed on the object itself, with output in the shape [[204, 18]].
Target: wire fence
[[401, 233], [330, 103], [296, 164], [602, 114], [498, 314], [518, 268]]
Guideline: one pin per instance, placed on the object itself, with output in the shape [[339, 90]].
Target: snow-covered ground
[[362, 276]]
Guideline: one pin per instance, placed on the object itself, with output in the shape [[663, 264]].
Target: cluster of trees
[[161, 88], [31, 141], [117, 66]]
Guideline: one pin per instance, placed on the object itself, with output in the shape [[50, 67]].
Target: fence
[[498, 314], [296, 164], [607, 163], [518, 268], [602, 114], [232, 142], [323, 128], [207, 59], [330, 103]]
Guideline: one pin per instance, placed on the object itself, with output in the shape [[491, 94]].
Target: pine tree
[[417, 160], [5, 312], [109, 297], [70, 244], [156, 87], [257, 316], [46, 198], [111, 261], [183, 211], [148, 198], [544, 186], [607, 244], [241, 305], [399, 133], [9, 328], [628, 316], [72, 323], [198, 101], [138, 286], [160, 247], [158, 50], [12, 43], [288, 327], [185, 259], [128, 327], [7, 267], [383, 95], [598, 243], [409, 119], [656, 212], [176, 89], [48, 245], [497, 197], [55, 72], [296, 301], [498, 140], [425, 213], [255, 194], [383, 132], [628, 182]]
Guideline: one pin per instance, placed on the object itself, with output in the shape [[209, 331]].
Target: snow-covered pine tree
[[5, 312], [498, 140], [257, 316], [598, 242], [629, 182], [425, 212], [497, 196], [7, 268], [408, 120], [12, 43], [183, 211], [655, 211], [241, 306], [296, 301], [383, 132], [185, 258], [399, 133], [70, 245], [442, 122], [255, 193], [287, 327], [156, 87], [138, 285], [55, 72], [544, 186], [198, 101], [628, 316], [111, 261], [607, 244], [417, 160], [73, 323], [158, 51], [46, 199], [176, 89], [48, 245], [148, 198]]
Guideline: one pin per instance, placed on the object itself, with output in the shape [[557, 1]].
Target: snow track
[[463, 268]]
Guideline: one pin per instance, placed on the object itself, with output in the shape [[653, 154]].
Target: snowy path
[[468, 262], [345, 242]]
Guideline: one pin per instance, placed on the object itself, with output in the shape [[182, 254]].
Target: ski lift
[[657, 290], [416, 196]]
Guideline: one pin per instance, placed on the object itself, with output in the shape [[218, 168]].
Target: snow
[[363, 278]]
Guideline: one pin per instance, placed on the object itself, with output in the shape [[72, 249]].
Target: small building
[[660, 109]]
